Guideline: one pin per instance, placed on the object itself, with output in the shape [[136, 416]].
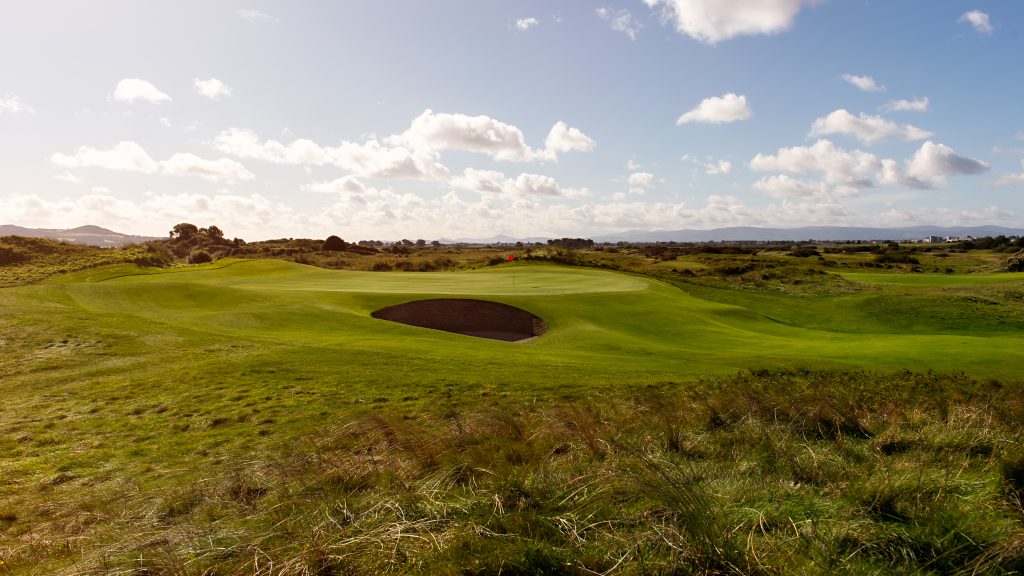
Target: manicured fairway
[[601, 322]]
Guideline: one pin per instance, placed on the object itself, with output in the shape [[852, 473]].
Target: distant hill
[[90, 235], [837, 233]]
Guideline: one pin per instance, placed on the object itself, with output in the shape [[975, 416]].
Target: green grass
[[245, 412]]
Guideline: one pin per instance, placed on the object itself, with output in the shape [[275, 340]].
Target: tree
[[334, 244], [435, 243], [213, 232], [184, 231], [421, 243]]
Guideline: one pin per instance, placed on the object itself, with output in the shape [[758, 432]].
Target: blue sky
[[550, 118]]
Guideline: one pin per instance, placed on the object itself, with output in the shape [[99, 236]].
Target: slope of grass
[[250, 416]]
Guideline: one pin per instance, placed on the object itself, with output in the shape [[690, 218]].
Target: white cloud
[[485, 135], [717, 110], [712, 167], [718, 167], [247, 144], [254, 16], [620, 21], [343, 185], [933, 164], [11, 104], [68, 177], [1012, 179], [645, 179], [221, 170], [213, 88], [371, 159], [837, 166], [783, 186], [867, 129], [915, 105], [126, 155], [638, 182], [979, 21], [375, 160], [563, 138], [711, 21], [481, 134], [131, 157], [525, 24], [99, 190], [132, 89], [166, 122], [865, 83], [524, 185]]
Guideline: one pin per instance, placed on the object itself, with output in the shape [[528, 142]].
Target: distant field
[[129, 380]]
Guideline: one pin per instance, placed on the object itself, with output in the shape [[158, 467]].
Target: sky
[[389, 119]]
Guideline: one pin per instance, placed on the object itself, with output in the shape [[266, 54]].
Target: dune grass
[[251, 417]]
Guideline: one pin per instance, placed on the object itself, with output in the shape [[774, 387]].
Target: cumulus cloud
[[1016, 179], [129, 156], [979, 21], [711, 166], [783, 186], [126, 156], [482, 134], [645, 179], [524, 185], [132, 89], [221, 170], [868, 129], [639, 182], [865, 83], [485, 135], [711, 21], [620, 21], [525, 24], [343, 185], [213, 88], [933, 164], [717, 110], [11, 104], [845, 172], [564, 138], [915, 105], [254, 16], [68, 177], [370, 159]]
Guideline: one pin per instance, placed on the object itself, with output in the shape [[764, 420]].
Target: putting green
[[602, 324]]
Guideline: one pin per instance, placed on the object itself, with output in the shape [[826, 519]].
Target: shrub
[[11, 256], [199, 257]]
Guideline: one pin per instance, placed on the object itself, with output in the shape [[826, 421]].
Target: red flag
[[511, 257]]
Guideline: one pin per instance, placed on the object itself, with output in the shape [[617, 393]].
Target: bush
[[11, 256], [334, 244], [199, 257]]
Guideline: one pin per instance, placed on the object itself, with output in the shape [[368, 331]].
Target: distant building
[[933, 240]]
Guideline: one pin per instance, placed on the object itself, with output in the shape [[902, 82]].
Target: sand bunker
[[478, 318]]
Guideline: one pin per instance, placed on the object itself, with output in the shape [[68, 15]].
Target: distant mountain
[[91, 235], [499, 239], [837, 233]]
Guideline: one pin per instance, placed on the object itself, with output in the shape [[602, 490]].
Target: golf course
[[253, 416]]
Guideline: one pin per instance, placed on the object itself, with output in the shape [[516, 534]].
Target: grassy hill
[[250, 416]]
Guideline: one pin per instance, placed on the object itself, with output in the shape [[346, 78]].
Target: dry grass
[[768, 473]]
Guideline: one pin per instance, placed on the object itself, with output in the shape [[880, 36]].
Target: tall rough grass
[[764, 473]]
